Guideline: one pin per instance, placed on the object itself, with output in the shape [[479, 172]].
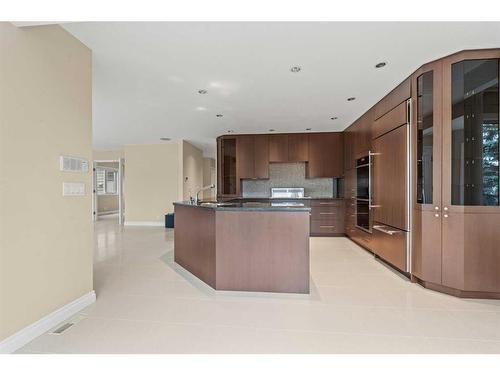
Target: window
[[106, 181]]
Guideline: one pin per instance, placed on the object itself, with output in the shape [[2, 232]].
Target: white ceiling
[[146, 75]]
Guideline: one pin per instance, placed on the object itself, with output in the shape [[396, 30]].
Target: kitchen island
[[258, 247]]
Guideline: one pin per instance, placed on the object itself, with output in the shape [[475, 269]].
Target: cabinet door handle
[[326, 226], [382, 229], [326, 203], [327, 213]]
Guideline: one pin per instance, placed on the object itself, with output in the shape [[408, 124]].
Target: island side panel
[[194, 241], [263, 251]]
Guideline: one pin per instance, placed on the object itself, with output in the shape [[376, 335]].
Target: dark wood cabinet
[[326, 155], [245, 156], [227, 181], [349, 159], [261, 153], [327, 217], [278, 148], [397, 96], [389, 168], [298, 147], [455, 191], [252, 157], [248, 157]]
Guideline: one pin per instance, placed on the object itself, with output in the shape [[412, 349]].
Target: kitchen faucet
[[202, 189]]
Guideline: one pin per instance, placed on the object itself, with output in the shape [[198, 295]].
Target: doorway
[[107, 202]]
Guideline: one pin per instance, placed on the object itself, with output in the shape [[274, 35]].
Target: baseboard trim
[[25, 335], [145, 223]]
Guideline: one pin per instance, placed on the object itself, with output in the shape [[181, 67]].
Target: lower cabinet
[[389, 244], [327, 217]]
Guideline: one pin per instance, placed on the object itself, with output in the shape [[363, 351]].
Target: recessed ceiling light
[[219, 115], [202, 91], [333, 118], [295, 69], [380, 64], [308, 128], [165, 139], [351, 99], [201, 108], [271, 130]]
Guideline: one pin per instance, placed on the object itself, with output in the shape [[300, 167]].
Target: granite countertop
[[287, 199], [244, 206]]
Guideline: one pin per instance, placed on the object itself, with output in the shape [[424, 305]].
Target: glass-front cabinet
[[425, 137], [474, 133], [226, 154]]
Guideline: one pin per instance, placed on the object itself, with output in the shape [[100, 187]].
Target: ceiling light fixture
[[165, 139], [271, 130], [295, 69], [219, 115], [333, 118], [308, 128], [202, 91], [351, 99], [380, 64], [230, 131]]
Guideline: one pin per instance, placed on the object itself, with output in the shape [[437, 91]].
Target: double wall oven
[[363, 193]]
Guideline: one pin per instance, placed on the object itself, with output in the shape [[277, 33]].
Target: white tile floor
[[147, 304]]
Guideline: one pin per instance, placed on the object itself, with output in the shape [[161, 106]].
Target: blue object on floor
[[169, 220]]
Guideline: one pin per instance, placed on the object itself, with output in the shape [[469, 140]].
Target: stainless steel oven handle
[[380, 228]]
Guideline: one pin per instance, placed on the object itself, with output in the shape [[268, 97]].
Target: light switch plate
[[73, 189]]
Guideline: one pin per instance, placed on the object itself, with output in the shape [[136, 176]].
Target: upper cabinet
[[474, 133], [298, 147], [226, 163], [252, 157], [326, 151], [397, 96], [278, 148], [349, 160], [241, 157], [261, 155], [245, 161]]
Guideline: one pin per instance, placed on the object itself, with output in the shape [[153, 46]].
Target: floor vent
[[61, 329]]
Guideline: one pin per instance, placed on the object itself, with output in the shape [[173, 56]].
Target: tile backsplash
[[289, 175]]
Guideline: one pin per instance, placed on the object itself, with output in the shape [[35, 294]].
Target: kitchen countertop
[[285, 199], [244, 206]]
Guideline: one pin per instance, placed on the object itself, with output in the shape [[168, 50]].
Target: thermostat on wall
[[73, 189]]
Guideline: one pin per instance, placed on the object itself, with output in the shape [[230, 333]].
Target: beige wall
[[108, 154], [45, 111], [209, 177], [153, 181], [192, 158]]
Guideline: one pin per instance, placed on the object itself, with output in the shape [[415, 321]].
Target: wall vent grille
[[72, 164]]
